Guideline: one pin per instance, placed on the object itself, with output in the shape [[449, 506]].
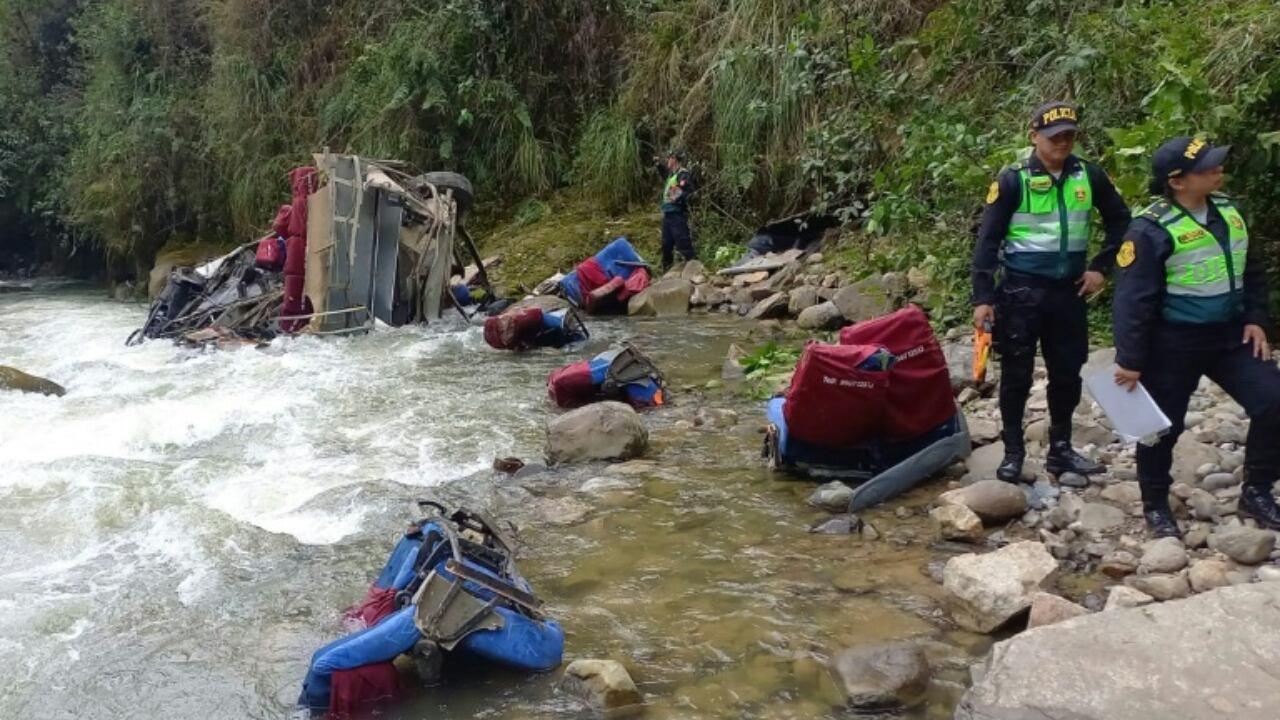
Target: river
[[182, 529]]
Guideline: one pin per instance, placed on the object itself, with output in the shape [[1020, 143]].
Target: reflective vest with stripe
[[1049, 233], [676, 204], [1204, 277]]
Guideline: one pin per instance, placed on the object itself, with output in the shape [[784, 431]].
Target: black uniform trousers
[[1032, 310], [676, 236], [1179, 357]]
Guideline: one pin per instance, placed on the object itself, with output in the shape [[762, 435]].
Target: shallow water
[[182, 529]]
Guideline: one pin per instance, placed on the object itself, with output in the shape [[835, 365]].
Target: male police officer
[[1192, 301], [675, 209], [1036, 224]]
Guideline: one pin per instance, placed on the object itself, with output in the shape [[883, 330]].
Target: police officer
[[675, 209], [1192, 301], [1035, 226]]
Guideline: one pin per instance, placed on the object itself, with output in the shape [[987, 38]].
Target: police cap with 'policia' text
[[1055, 117]]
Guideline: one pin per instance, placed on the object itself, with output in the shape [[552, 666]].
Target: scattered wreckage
[[362, 242]]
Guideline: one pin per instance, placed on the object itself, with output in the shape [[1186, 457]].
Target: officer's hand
[[1091, 283], [984, 316], [1127, 379], [1256, 335]]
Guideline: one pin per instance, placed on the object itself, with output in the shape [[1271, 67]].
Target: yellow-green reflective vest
[[1049, 233], [1204, 277]]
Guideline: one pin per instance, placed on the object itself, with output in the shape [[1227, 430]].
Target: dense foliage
[[125, 124]]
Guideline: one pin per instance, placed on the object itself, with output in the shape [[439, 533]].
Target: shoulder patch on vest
[[993, 192], [1127, 254]]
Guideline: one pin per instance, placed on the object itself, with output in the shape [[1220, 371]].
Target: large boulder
[[992, 500], [1210, 656], [882, 677], [863, 300], [772, 307], [986, 591], [604, 685], [801, 299], [15, 379], [601, 431], [665, 297], [823, 316]]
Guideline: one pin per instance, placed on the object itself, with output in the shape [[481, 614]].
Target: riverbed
[[182, 530]]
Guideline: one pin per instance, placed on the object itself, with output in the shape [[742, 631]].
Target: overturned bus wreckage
[[876, 408], [450, 587], [361, 243]]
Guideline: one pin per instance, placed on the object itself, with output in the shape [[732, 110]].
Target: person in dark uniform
[[1191, 301], [1035, 227], [675, 209]]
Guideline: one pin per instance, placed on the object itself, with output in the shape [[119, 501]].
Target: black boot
[[1161, 523], [1257, 502], [1063, 458], [1010, 469]]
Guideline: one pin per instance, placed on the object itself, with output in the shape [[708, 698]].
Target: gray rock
[[846, 524], [15, 379], [981, 430], [1246, 545], [833, 496], [562, 511], [732, 368], [1122, 597], [598, 485], [663, 298], [1048, 609], [992, 500], [957, 522], [1122, 493], [1118, 564], [823, 316], [1206, 575], [863, 300], [1204, 506], [1070, 479], [693, 270], [882, 677], [1268, 573], [603, 684], [1188, 456], [1197, 537], [1166, 555], [1161, 587], [801, 299], [1219, 481], [600, 431], [982, 462], [1099, 518], [986, 591], [1211, 656], [774, 306]]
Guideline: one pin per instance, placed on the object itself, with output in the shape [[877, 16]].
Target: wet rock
[[992, 500], [833, 496], [562, 511], [882, 677], [1122, 597], [1070, 479], [1206, 575], [1099, 518], [663, 298], [957, 522], [528, 471], [846, 524], [1047, 609], [801, 299], [1161, 587], [988, 590], [1166, 555], [1211, 656], [15, 379], [863, 300], [1245, 545], [1118, 564], [774, 306], [603, 684], [732, 368], [508, 465], [598, 485], [600, 431], [823, 316]]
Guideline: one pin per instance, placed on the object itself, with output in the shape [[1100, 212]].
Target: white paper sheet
[[1135, 415]]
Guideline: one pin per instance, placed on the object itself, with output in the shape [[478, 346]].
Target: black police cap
[[1055, 117]]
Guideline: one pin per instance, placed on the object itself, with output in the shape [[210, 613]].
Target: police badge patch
[[1128, 253], [993, 192]]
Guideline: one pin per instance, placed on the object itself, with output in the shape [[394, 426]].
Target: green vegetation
[[127, 124]]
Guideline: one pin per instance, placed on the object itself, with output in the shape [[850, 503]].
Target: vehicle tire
[[463, 194]]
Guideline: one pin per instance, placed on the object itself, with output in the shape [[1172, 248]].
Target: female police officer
[[1191, 301]]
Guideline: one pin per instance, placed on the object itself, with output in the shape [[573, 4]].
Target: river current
[[182, 530]]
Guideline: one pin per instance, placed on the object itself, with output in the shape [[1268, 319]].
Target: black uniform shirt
[[1140, 290], [997, 213]]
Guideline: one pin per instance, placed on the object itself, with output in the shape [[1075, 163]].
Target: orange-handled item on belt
[[981, 352]]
